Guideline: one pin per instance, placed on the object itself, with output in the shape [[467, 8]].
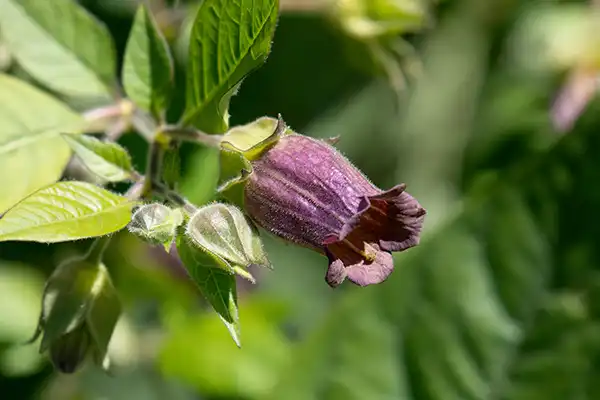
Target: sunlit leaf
[[213, 280], [60, 44], [148, 67], [109, 161], [229, 40], [32, 153], [66, 211]]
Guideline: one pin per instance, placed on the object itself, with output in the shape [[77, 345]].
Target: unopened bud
[[223, 231], [69, 351]]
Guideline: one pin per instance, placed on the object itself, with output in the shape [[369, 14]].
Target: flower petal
[[372, 273], [364, 265], [393, 219], [345, 263]]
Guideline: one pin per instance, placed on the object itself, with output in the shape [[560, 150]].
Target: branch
[[192, 135]]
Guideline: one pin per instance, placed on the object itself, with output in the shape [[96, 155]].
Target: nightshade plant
[[298, 188]]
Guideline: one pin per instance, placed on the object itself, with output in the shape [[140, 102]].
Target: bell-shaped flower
[[303, 190]]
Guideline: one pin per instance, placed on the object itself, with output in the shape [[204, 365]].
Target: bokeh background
[[486, 109]]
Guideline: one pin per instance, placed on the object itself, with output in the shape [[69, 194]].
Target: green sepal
[[240, 146]]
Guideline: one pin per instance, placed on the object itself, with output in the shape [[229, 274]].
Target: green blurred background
[[496, 132]]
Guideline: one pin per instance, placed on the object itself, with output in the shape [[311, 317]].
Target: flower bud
[[223, 231], [303, 190], [80, 309], [156, 224], [69, 351]]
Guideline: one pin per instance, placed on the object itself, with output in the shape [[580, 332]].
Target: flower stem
[[97, 249], [192, 135]]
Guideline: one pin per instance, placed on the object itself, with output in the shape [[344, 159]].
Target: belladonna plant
[[304, 191]]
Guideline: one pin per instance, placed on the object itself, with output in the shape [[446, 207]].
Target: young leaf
[[60, 44], [229, 40], [148, 67], [32, 153], [109, 161], [217, 285], [66, 211]]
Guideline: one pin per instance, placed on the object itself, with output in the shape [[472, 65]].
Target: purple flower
[[306, 192]]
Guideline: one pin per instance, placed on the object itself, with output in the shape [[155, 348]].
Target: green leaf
[[109, 161], [229, 40], [66, 211], [223, 230], [216, 284], [61, 45], [30, 144], [156, 224], [148, 66]]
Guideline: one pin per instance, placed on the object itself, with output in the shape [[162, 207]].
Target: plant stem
[[97, 249], [137, 189], [192, 135], [173, 197]]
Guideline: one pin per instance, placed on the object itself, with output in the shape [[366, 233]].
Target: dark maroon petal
[[393, 219]]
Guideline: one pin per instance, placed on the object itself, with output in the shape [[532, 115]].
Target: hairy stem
[[192, 135], [97, 249]]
